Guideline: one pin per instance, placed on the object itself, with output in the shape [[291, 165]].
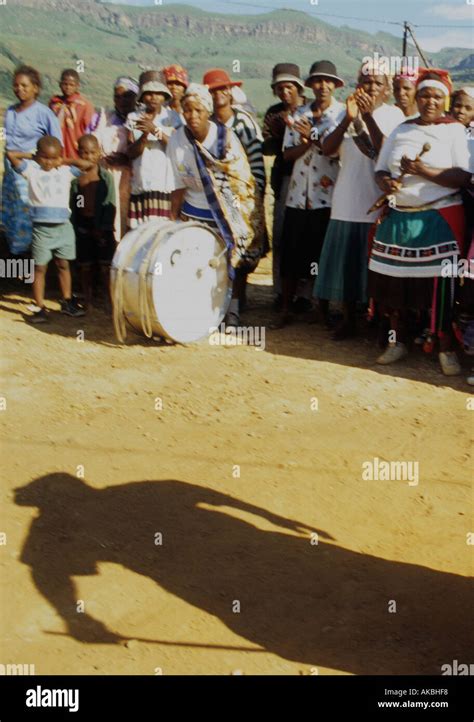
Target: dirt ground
[[202, 509]]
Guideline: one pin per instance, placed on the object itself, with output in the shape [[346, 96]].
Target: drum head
[[190, 295]]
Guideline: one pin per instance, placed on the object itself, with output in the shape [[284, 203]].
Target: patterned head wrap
[[432, 83], [176, 74], [128, 83], [410, 74], [202, 94], [443, 82]]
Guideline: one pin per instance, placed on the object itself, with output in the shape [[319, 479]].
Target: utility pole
[[420, 52], [405, 38]]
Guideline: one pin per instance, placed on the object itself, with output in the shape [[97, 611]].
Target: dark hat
[[327, 69], [286, 73]]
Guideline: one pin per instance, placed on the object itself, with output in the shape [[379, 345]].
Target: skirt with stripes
[[148, 205]]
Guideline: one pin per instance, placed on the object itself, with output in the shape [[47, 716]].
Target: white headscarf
[[201, 92], [468, 90]]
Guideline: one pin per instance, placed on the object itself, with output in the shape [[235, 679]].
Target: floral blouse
[[314, 175]]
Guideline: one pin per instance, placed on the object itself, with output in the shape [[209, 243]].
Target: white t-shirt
[[183, 163], [449, 149], [111, 133], [356, 189], [150, 171], [48, 191], [314, 174]]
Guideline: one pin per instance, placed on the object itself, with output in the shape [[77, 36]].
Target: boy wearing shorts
[[49, 183]]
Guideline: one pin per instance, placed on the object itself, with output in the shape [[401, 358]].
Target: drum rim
[[160, 226]]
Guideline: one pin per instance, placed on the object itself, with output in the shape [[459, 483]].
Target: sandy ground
[[168, 498]]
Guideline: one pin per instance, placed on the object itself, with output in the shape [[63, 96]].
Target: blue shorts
[[53, 239]]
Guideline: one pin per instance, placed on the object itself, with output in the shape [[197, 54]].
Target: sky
[[452, 19]]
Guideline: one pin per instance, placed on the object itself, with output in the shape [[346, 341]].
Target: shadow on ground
[[319, 605]]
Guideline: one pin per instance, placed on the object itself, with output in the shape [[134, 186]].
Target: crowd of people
[[373, 206]]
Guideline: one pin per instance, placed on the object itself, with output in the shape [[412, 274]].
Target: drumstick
[[214, 262], [380, 201]]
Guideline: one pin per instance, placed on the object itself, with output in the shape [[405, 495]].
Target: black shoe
[[72, 307], [40, 316], [285, 319], [301, 305], [232, 322], [344, 330], [278, 303]]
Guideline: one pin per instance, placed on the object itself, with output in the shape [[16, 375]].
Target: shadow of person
[[315, 604]]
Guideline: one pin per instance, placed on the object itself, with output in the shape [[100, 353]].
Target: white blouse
[[448, 149], [150, 171], [356, 189], [111, 133]]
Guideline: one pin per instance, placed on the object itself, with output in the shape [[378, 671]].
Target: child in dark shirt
[[93, 216]]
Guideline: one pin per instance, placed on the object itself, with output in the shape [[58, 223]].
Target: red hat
[[444, 76], [176, 74], [217, 78]]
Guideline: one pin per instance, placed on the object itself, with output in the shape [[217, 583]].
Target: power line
[[343, 17], [447, 27], [310, 12], [416, 44]]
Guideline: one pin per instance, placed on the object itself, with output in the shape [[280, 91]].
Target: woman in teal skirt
[[342, 272], [414, 257]]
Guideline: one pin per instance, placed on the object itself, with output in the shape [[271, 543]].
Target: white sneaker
[[450, 365], [470, 380], [393, 352]]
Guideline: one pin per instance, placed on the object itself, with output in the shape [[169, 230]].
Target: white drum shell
[[185, 296]]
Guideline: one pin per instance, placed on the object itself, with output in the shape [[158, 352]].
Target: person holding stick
[[214, 185], [418, 243]]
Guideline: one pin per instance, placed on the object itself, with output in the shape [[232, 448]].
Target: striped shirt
[[249, 134]]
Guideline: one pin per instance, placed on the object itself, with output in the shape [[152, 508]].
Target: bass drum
[[170, 279]]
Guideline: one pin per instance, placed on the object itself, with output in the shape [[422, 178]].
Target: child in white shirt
[[49, 183]]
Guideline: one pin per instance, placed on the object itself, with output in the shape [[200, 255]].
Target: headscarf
[[444, 76], [410, 74], [443, 82], [201, 92], [176, 74], [467, 90], [124, 81]]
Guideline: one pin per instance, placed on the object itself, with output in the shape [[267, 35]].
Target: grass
[[41, 38]]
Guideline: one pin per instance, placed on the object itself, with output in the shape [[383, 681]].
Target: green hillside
[[115, 39]]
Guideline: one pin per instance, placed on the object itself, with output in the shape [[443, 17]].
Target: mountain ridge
[[112, 39]]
